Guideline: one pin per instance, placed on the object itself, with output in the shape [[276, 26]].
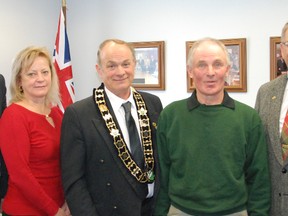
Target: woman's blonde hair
[[22, 63]]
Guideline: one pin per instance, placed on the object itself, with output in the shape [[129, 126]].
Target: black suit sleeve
[[73, 165], [3, 169]]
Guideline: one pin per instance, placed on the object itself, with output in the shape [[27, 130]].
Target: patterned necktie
[[135, 144], [284, 138]]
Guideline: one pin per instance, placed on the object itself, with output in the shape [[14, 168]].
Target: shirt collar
[[194, 103], [116, 101]]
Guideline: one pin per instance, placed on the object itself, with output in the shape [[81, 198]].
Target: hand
[[66, 209], [60, 212]]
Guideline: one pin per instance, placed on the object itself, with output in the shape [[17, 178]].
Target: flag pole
[[64, 10]]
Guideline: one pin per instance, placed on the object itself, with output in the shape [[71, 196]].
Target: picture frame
[[150, 65], [276, 62], [237, 78]]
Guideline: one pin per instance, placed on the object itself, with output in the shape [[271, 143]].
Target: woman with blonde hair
[[30, 137]]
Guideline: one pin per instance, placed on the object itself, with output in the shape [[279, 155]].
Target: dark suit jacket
[[268, 104], [95, 180], [3, 170]]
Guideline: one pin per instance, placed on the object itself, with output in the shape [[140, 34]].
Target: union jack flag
[[62, 64]]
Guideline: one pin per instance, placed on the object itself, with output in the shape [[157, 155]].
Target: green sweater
[[213, 159]]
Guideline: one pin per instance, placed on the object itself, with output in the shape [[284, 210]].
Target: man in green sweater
[[212, 149]]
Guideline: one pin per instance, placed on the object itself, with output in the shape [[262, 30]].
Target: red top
[[31, 149]]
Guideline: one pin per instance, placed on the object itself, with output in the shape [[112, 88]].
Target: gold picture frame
[[237, 79], [275, 57], [150, 67]]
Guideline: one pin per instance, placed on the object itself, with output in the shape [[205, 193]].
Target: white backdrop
[[34, 22]]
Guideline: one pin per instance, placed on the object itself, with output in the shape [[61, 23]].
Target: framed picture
[[236, 80], [277, 64], [150, 70]]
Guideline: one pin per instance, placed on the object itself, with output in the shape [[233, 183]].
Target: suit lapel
[[100, 125]]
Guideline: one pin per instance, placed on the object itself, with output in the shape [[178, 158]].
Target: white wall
[[89, 22]]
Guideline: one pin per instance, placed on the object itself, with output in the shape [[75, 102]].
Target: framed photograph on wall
[[237, 78], [277, 64], [150, 69]]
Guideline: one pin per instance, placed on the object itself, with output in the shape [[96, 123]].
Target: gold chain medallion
[[143, 176]]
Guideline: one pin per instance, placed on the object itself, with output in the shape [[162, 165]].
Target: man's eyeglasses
[[285, 43]]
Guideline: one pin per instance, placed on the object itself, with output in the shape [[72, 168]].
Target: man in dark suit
[[3, 170], [272, 105], [101, 175]]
